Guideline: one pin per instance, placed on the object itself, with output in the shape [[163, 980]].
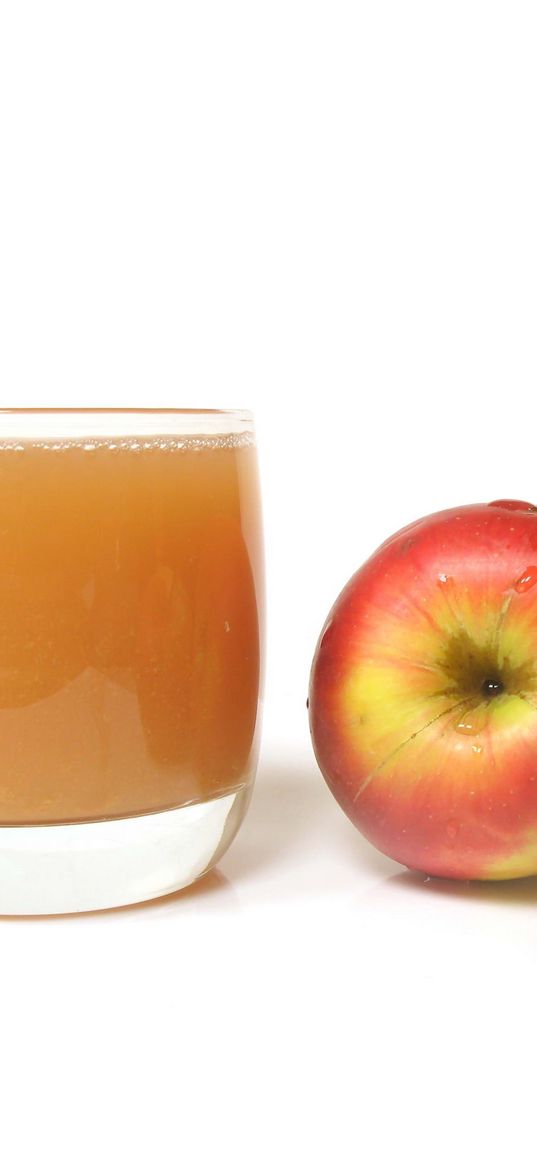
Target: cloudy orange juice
[[129, 624]]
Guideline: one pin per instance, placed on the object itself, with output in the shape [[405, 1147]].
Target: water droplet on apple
[[526, 581], [445, 582], [327, 633], [467, 727], [514, 504]]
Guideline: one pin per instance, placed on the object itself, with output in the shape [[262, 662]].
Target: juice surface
[[130, 594]]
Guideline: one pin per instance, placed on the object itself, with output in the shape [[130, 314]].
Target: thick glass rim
[[36, 423]]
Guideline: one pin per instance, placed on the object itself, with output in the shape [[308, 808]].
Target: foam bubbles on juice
[[162, 444]]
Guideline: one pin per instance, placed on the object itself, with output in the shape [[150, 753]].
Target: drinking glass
[[131, 606]]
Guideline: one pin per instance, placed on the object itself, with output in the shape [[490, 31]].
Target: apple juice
[[129, 624]]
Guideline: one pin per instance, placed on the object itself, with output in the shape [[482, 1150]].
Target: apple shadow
[[288, 801], [508, 892], [292, 809]]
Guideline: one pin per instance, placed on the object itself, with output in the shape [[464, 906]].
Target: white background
[[324, 212]]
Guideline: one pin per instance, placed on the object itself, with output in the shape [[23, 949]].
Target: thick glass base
[[59, 869]]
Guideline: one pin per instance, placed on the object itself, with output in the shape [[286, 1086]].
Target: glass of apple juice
[[131, 606]]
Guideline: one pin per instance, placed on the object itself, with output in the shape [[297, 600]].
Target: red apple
[[423, 694]]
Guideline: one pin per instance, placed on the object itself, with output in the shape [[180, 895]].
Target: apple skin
[[423, 694]]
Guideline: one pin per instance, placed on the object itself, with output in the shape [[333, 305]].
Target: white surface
[[324, 212]]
